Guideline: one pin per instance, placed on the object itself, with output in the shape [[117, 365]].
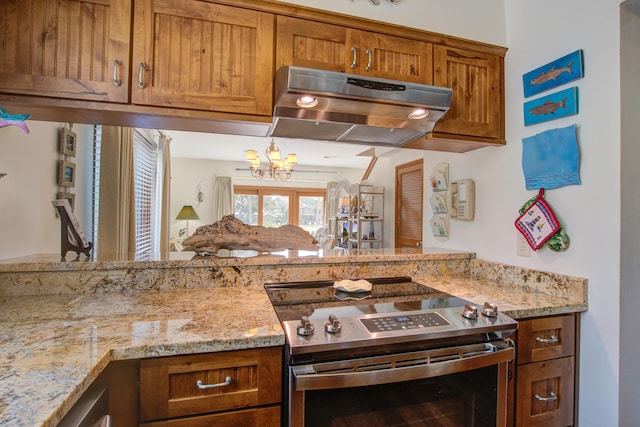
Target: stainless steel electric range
[[399, 354]]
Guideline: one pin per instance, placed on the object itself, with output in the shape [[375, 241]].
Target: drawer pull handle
[[551, 398], [201, 386], [141, 83], [116, 80], [354, 63], [549, 340]]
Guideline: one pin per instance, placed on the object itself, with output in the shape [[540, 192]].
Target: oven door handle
[[309, 377]]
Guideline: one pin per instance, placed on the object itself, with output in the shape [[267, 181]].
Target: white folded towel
[[353, 285]]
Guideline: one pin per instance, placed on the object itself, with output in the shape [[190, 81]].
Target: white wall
[[28, 222], [536, 33]]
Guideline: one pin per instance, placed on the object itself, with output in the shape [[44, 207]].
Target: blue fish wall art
[[554, 74], [554, 106]]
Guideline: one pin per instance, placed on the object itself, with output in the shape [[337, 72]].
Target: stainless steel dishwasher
[[91, 410]]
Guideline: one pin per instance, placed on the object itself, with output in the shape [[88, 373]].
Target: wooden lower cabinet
[[544, 389], [269, 416], [228, 388]]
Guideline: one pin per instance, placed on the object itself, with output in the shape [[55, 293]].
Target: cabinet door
[[169, 385], [477, 105], [544, 393], [546, 338], [393, 58], [256, 417], [331, 47], [310, 44], [200, 55], [75, 49]]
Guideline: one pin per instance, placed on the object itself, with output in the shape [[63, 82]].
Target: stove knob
[[333, 326], [305, 328], [470, 311], [490, 310]]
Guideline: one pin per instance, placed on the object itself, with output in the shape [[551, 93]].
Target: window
[[275, 206], [145, 158]]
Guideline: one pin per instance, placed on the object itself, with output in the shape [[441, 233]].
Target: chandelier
[[277, 168]]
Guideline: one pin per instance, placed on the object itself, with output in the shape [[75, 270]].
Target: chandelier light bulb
[[276, 167]]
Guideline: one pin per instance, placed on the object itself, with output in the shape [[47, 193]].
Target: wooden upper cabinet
[[394, 58], [75, 49], [313, 44], [203, 56], [477, 82]]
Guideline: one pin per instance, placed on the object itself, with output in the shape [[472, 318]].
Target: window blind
[[95, 199], [145, 155]]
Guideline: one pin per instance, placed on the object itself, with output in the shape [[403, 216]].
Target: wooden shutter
[[409, 182]]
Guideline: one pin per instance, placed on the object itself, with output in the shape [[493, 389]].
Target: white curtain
[[116, 230], [331, 202], [165, 201], [222, 197]]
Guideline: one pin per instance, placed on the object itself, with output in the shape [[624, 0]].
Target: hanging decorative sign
[[551, 159], [538, 223]]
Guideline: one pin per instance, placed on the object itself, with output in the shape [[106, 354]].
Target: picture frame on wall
[[556, 73], [68, 142], [550, 107], [66, 173], [70, 197]]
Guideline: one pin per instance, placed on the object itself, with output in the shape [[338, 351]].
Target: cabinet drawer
[[546, 338], [263, 417], [544, 393], [168, 385]]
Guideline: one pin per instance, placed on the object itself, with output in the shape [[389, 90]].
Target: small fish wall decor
[[554, 74], [554, 106]]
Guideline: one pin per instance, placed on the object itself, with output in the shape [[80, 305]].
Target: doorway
[[408, 212]]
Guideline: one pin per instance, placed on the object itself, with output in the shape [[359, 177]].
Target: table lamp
[[186, 213]]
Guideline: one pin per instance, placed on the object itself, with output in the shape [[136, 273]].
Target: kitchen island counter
[[53, 345]]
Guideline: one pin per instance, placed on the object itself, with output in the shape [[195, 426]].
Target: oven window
[[464, 399]]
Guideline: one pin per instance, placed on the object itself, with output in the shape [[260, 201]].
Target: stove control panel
[[401, 323]]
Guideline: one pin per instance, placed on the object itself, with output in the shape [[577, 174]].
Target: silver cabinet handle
[[354, 64], [550, 340], [201, 386], [143, 66], [551, 398], [116, 80], [369, 55]]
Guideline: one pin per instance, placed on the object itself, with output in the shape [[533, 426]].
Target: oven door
[[453, 386]]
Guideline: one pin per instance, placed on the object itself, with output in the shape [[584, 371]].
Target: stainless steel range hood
[[354, 109]]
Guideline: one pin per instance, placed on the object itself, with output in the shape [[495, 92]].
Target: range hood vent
[[354, 109]]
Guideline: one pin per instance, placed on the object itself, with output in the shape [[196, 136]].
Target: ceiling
[[197, 145]]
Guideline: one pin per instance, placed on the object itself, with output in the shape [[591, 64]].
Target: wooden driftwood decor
[[231, 233]]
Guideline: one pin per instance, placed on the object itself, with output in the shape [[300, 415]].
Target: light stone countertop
[[52, 346]]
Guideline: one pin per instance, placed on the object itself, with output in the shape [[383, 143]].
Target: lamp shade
[[187, 212]]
